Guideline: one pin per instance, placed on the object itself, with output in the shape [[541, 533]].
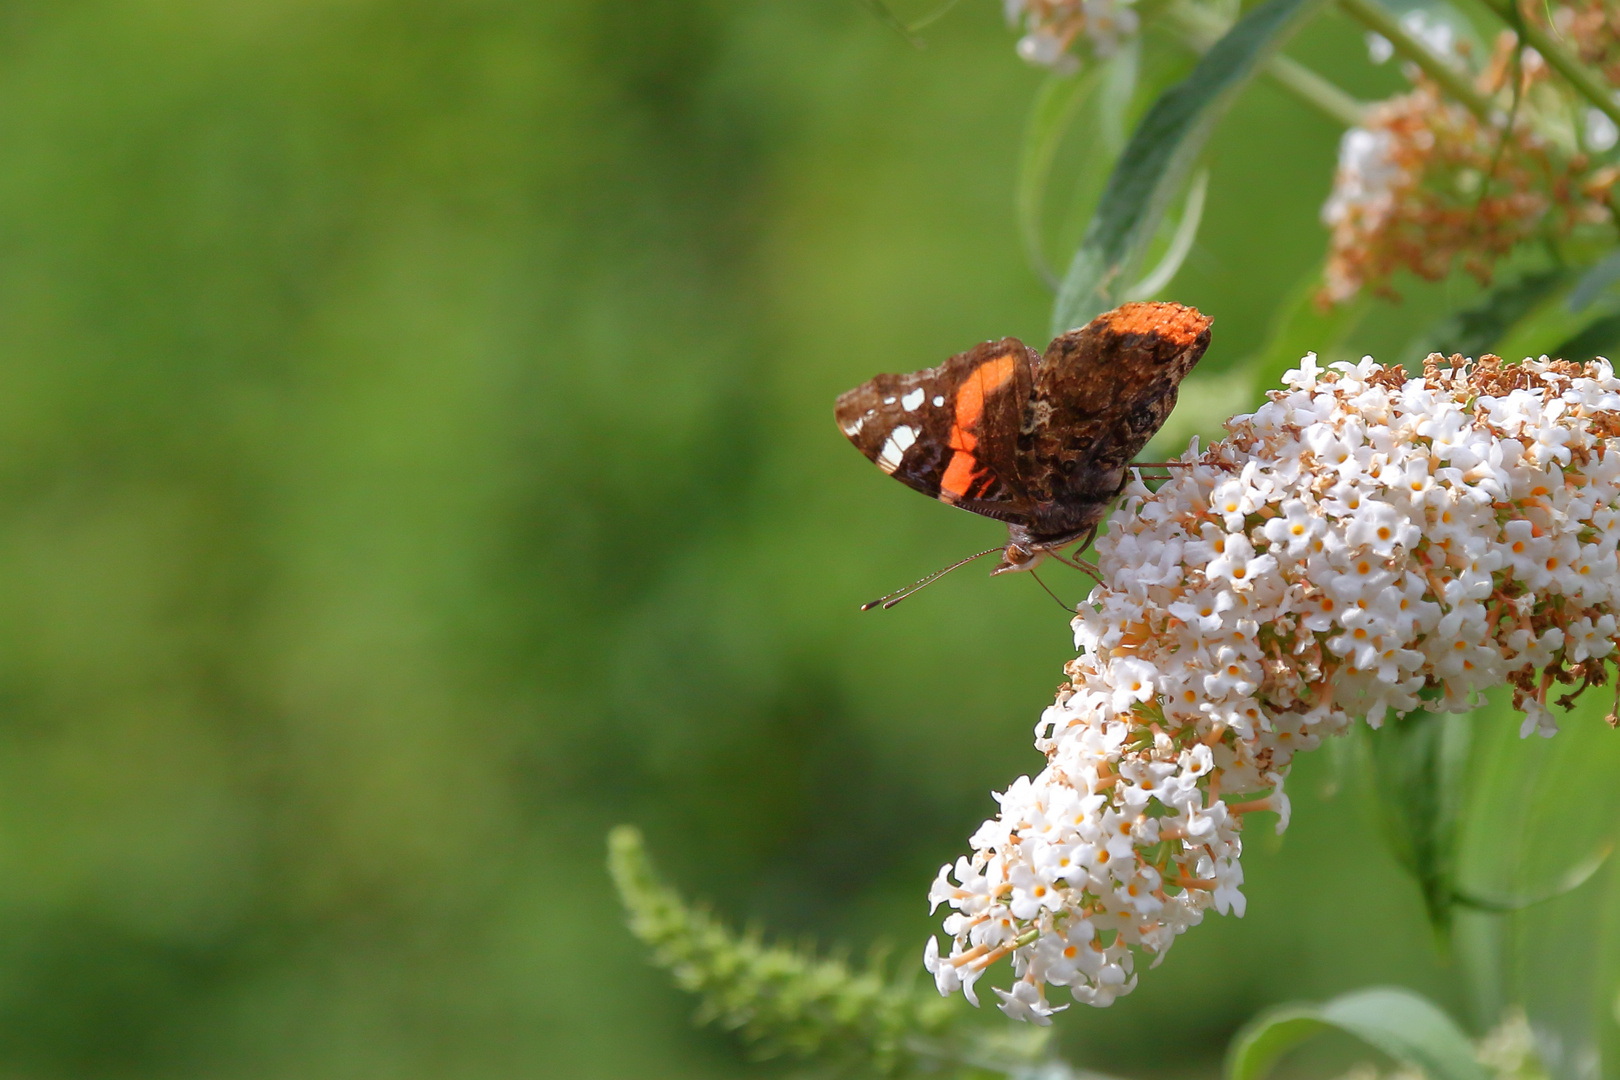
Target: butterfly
[[1041, 441]]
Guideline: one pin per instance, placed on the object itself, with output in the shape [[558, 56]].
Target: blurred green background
[[416, 457]]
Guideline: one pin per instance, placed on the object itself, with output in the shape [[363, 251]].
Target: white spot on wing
[[888, 401], [938, 401], [912, 400], [899, 441], [855, 429]]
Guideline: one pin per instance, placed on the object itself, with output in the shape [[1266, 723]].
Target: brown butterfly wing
[[1100, 394], [950, 431]]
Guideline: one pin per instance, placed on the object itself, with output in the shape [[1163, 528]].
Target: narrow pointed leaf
[[1050, 115], [1409, 1028], [1578, 875], [1160, 155], [1418, 768], [887, 17], [1301, 326], [1595, 282], [1119, 83], [1483, 326], [1598, 339], [933, 16], [1192, 214]]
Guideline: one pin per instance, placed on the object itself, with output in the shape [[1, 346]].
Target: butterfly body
[[1039, 441]]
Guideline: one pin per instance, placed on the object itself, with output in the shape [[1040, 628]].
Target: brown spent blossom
[[1424, 185], [1592, 29], [1053, 27]]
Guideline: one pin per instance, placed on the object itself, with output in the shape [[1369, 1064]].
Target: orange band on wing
[[985, 380], [960, 474]]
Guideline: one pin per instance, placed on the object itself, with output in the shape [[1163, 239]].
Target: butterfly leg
[[1090, 536], [1082, 565], [1085, 566]]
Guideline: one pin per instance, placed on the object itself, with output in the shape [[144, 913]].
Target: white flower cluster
[[1435, 33], [1375, 167], [1367, 180], [1366, 544], [1051, 27]]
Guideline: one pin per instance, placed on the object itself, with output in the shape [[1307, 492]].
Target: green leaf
[[1595, 282], [1180, 243], [1409, 1028], [1301, 326], [1598, 339], [1418, 765], [933, 16], [1520, 843], [1484, 325], [1124, 71], [1159, 157], [1572, 879], [1050, 115], [887, 17]]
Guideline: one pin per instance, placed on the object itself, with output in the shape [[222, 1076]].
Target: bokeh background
[[416, 457]]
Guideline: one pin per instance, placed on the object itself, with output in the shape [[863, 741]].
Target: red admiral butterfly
[[1041, 442]]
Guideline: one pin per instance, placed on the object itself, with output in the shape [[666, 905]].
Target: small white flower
[[1437, 34], [1601, 134], [1380, 528], [1591, 639], [1203, 611], [1228, 881], [1134, 681], [1026, 1002], [1367, 174], [1295, 530], [1052, 25], [1538, 720], [1043, 48], [1237, 565], [943, 971]]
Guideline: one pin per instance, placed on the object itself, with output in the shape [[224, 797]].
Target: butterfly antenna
[[1052, 594], [889, 600]]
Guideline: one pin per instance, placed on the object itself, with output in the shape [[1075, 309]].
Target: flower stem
[[1315, 91], [1377, 18], [1200, 28], [1559, 58]]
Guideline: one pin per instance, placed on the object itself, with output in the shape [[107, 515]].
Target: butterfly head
[[1017, 557], [1019, 554]]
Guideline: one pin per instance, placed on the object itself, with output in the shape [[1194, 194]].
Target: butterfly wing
[[950, 431], [1101, 392]]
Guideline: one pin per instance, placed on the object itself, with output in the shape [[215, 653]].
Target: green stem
[[1201, 28], [1377, 18], [1559, 58], [1313, 90], [887, 17]]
